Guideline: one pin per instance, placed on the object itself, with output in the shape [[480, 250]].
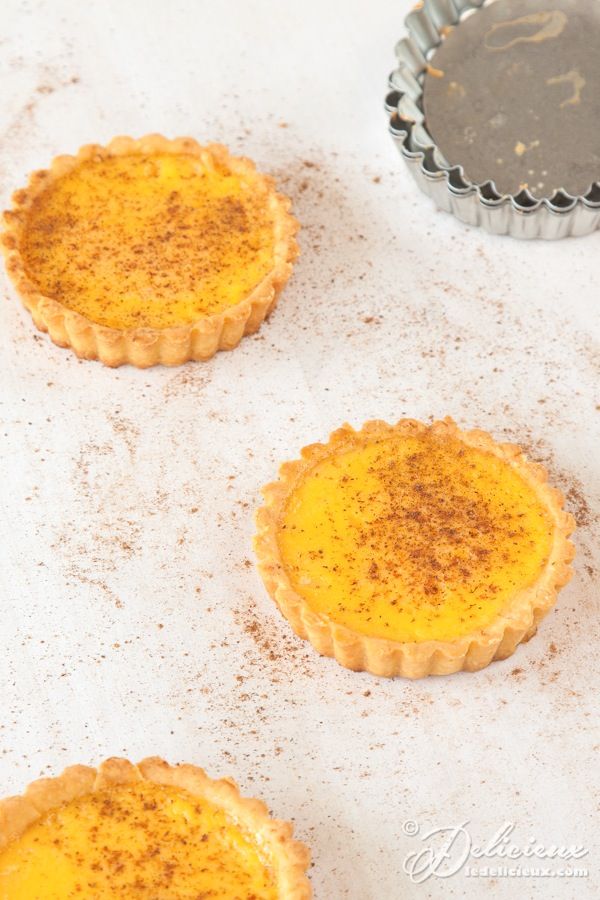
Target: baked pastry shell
[[146, 346], [290, 858], [386, 657]]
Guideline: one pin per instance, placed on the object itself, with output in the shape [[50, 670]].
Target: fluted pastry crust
[[414, 659], [290, 858], [148, 346]]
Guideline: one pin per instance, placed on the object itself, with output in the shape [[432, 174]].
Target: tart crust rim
[[146, 346], [388, 657], [290, 857]]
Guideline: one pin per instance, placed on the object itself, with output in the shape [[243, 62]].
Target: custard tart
[[413, 549], [145, 831], [149, 251]]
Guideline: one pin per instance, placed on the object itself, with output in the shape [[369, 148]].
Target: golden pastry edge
[[390, 658], [291, 858], [144, 347]]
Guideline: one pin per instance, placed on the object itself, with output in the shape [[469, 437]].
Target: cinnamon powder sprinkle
[[149, 240], [139, 841], [413, 538]]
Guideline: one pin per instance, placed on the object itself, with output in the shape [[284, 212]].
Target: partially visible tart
[[413, 549], [148, 831], [149, 251]]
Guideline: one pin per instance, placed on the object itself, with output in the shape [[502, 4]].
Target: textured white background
[[132, 621]]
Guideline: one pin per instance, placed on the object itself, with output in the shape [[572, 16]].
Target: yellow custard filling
[[413, 538], [152, 240], [135, 841]]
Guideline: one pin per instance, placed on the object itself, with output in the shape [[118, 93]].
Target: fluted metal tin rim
[[479, 204]]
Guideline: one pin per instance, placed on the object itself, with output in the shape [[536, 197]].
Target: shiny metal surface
[[475, 203]]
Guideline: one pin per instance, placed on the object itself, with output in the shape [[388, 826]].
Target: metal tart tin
[[495, 108]]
